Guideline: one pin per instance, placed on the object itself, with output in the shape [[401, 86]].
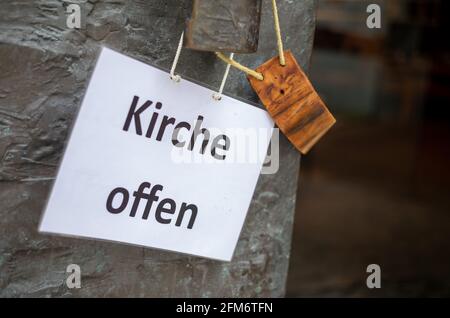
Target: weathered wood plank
[[292, 102], [224, 25]]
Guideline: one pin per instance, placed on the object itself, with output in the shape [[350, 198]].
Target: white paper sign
[[137, 168]]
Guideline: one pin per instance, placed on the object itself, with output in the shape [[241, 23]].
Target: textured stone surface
[[44, 71], [224, 26]]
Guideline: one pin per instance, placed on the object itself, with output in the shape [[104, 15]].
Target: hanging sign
[[292, 102], [288, 95], [153, 162]]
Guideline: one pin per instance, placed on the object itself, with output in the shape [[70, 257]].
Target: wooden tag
[[224, 26], [292, 102]]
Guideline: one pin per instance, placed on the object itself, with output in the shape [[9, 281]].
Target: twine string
[[218, 96], [239, 66], [176, 78], [249, 71], [230, 61], [278, 33]]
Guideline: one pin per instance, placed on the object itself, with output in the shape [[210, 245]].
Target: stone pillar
[[44, 72]]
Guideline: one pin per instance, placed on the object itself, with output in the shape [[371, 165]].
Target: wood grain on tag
[[292, 102]]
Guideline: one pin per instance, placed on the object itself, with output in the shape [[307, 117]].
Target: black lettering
[[161, 209], [138, 195], [166, 206], [197, 131], [183, 209], [219, 146], [133, 113], [165, 122], [150, 199], [216, 145], [122, 206], [152, 124], [175, 141]]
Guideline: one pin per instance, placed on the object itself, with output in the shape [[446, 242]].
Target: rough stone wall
[[44, 71]]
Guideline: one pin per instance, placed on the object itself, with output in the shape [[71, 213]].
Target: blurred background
[[376, 189]]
